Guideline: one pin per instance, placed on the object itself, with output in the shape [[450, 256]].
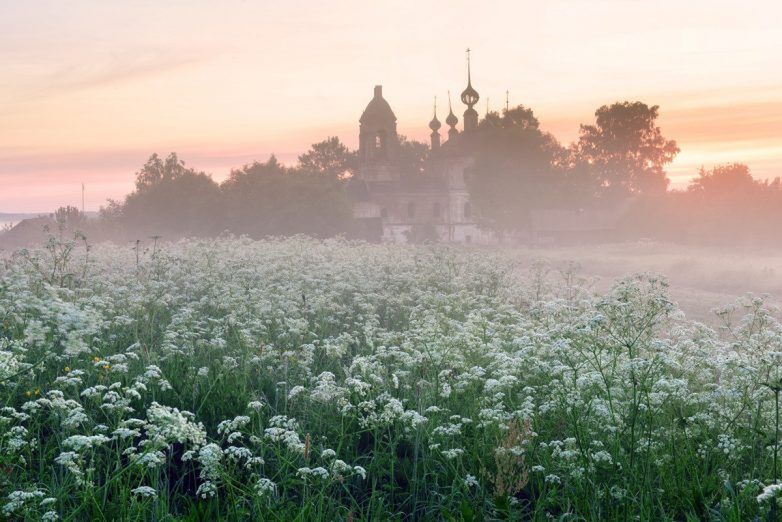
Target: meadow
[[296, 379], [701, 278]]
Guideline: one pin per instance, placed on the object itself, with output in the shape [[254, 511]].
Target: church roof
[[378, 109]]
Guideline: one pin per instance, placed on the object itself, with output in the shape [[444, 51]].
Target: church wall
[[365, 209], [402, 208]]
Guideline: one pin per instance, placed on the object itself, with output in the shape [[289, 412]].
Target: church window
[[467, 210], [411, 210], [384, 213], [380, 143]]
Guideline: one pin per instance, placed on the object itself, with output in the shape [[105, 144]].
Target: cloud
[[720, 123], [103, 68]]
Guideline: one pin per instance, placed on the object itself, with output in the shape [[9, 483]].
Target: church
[[392, 205]]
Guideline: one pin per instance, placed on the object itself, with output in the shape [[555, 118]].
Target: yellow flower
[[67, 369], [96, 359], [37, 391], [28, 393]]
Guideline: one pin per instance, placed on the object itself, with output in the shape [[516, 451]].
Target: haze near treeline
[[90, 91]]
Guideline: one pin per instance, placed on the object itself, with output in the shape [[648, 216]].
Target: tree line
[[518, 168], [620, 160]]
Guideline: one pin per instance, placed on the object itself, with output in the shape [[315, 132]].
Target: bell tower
[[377, 137]]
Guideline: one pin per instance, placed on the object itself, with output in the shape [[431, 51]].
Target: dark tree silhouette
[[724, 181], [70, 217], [157, 170], [514, 169], [329, 157], [172, 200], [267, 199], [625, 151], [412, 155]]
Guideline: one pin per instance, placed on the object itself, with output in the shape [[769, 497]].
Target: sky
[[90, 89]]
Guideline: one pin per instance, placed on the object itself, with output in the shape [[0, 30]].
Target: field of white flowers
[[304, 380]]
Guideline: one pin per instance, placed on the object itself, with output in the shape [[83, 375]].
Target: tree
[[267, 199], [157, 170], [514, 168], [412, 155], [172, 200], [69, 217], [724, 181], [725, 204], [328, 157], [625, 150]]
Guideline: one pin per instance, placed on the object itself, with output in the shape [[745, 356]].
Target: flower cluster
[[257, 377]]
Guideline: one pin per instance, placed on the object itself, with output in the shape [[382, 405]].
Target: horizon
[[90, 91]]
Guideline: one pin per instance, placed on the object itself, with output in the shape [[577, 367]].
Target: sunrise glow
[[88, 90]]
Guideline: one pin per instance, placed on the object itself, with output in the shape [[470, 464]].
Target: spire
[[470, 97], [435, 123], [469, 79], [451, 120], [435, 126]]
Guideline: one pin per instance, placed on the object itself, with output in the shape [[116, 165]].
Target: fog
[[702, 279], [493, 183], [503, 188], [489, 325]]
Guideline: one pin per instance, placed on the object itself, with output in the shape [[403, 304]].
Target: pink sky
[[90, 89]]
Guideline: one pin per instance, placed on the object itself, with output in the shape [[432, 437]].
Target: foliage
[[514, 167], [625, 150], [305, 380], [329, 157], [172, 200], [412, 155], [69, 217], [724, 181], [724, 205], [265, 199]]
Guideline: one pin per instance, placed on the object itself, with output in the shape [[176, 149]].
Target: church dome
[[451, 120], [378, 110], [470, 96]]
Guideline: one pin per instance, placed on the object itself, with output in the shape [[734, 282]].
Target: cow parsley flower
[[144, 492]]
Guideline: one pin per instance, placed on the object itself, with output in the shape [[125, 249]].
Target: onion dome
[[469, 95], [435, 123], [451, 120]]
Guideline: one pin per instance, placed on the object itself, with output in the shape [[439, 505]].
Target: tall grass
[[304, 380]]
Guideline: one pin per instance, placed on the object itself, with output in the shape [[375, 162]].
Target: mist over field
[[326, 262], [702, 279]]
